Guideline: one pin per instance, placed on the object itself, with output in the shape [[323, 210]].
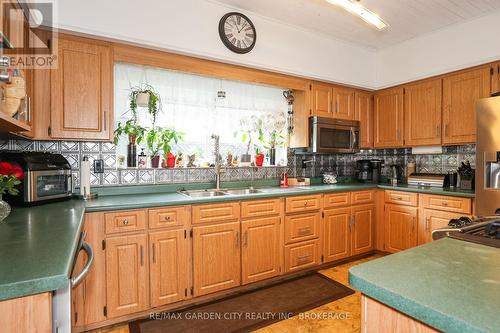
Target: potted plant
[[274, 126], [145, 96], [259, 156], [249, 127], [161, 139], [10, 178]]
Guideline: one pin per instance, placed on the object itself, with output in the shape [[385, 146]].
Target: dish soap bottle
[[142, 161]]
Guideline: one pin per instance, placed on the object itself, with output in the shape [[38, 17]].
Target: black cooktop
[[488, 234]]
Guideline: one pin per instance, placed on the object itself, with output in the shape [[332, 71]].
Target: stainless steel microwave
[[327, 135]]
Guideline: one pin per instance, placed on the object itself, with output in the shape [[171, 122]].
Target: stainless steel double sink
[[239, 191]]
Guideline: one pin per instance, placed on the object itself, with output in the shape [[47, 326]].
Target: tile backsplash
[[343, 164]]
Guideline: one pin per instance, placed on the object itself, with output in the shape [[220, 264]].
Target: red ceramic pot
[[171, 160], [259, 159]]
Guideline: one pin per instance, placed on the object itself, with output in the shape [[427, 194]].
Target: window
[[196, 106]]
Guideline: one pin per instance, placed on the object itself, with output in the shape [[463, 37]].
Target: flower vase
[[272, 156], [4, 209]]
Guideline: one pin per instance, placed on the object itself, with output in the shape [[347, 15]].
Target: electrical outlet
[[99, 166]]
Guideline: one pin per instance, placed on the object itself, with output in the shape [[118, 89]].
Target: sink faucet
[[218, 166]]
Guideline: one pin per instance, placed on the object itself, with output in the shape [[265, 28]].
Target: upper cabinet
[[460, 93], [82, 91], [332, 101], [422, 113], [495, 78], [388, 118], [364, 113]]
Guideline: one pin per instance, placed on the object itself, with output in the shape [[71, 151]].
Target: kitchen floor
[[343, 315]]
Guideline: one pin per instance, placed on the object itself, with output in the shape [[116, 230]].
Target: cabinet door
[[126, 275], [432, 220], [260, 250], [364, 113], [216, 257], [363, 229], [322, 100], [460, 93], [400, 227], [89, 298], [337, 240], [343, 103], [82, 91], [168, 266], [388, 118], [423, 113], [495, 78]]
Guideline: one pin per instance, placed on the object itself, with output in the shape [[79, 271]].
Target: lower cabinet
[[260, 249], [216, 257], [431, 220], [348, 231], [302, 255], [400, 227], [126, 275], [168, 266]]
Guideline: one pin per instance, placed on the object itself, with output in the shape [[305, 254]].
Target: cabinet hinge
[[49, 131], [105, 311], [192, 291], [191, 233], [104, 244], [185, 291], [322, 259]]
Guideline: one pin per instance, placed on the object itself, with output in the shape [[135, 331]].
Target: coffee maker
[[369, 171]]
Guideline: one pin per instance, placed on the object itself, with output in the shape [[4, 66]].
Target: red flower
[[8, 169]]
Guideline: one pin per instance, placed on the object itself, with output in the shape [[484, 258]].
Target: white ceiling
[[406, 18]]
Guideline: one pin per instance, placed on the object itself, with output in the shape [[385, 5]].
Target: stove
[[485, 233]]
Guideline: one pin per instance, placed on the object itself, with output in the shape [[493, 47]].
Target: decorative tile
[[179, 176], [128, 176], [24, 145], [76, 178], [108, 147], [5, 145], [194, 175], [146, 176], [110, 177], [95, 179], [90, 146], [245, 174], [109, 161], [70, 146], [271, 173], [163, 176], [52, 146], [73, 160]]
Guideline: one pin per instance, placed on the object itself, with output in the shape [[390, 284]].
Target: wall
[[190, 27], [453, 48]]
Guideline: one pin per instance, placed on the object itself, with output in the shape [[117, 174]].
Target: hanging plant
[[138, 96]]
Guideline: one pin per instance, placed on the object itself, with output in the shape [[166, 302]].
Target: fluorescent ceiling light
[[359, 10]]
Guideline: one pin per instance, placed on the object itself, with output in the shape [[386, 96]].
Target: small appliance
[[368, 171], [428, 179], [47, 177], [327, 135]]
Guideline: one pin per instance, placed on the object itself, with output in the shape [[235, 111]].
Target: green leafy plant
[[275, 125], [154, 101], [251, 129], [134, 131], [161, 139]]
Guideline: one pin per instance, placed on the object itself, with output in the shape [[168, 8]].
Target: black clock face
[[237, 32]]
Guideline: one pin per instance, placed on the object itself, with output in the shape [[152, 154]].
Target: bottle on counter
[[142, 161]]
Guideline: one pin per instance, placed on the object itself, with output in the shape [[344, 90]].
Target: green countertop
[[451, 285], [37, 244]]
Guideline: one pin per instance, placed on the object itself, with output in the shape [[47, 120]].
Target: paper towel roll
[[85, 177]]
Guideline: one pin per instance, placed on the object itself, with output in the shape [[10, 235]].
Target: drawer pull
[[166, 219], [303, 259], [305, 231], [125, 222], [306, 203], [398, 198], [444, 203]]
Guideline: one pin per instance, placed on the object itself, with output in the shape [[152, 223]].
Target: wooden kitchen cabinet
[[260, 249], [364, 114], [431, 220], [82, 91], [127, 276], [388, 118], [495, 78], [363, 229], [460, 93], [89, 298], [168, 262], [422, 113], [321, 99], [336, 236], [343, 103], [400, 227], [216, 257]]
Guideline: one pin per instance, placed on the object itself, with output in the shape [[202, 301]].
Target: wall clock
[[237, 32]]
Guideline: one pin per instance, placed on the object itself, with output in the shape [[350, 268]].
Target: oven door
[[47, 184], [332, 138]]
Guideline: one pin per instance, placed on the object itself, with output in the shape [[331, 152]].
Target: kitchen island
[[449, 285]]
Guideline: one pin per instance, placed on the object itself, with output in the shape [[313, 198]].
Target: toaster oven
[[47, 177]]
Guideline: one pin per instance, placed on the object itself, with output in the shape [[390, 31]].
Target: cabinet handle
[[142, 255], [28, 100], [306, 203], [413, 225], [444, 203], [427, 224], [105, 120], [125, 222], [303, 259], [245, 239], [437, 131], [166, 219], [154, 253], [445, 130], [237, 239], [397, 134], [304, 231], [337, 106]]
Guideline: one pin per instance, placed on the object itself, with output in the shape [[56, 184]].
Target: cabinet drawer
[[125, 221], [401, 198], [303, 203], [302, 227], [362, 197], [448, 204], [337, 199], [260, 208], [302, 255], [167, 217], [216, 213]]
